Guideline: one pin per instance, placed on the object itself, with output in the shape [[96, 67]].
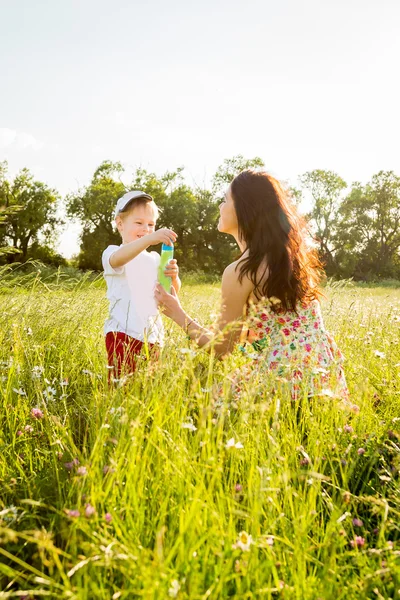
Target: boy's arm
[[127, 252]]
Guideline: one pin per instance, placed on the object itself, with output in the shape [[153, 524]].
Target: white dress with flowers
[[297, 347]]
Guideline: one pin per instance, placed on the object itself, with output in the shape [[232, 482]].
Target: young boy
[[131, 274]]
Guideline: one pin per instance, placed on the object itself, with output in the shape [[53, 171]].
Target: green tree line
[[356, 227]]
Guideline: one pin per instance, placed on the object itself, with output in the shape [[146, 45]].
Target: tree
[[230, 168], [94, 208], [369, 230], [193, 214], [31, 209], [326, 189], [5, 213]]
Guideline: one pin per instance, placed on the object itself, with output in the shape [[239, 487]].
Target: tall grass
[[160, 487]]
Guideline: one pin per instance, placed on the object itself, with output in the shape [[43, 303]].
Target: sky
[[304, 84]]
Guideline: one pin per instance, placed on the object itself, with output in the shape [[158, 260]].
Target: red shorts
[[123, 351]]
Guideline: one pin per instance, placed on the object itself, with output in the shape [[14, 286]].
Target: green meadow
[[165, 486]]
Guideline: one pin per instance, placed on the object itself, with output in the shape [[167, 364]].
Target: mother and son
[[271, 292]]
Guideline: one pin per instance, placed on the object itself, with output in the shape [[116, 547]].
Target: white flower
[[380, 354], [232, 444], [20, 392], [174, 589], [343, 517], [187, 351], [87, 372], [49, 393], [270, 541], [243, 542], [189, 426], [37, 372]]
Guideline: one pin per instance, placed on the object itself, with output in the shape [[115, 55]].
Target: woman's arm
[[228, 329]]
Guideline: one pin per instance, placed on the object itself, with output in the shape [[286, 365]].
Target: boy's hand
[[172, 270], [162, 236]]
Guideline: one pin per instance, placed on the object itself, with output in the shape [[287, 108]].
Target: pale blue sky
[[303, 84]]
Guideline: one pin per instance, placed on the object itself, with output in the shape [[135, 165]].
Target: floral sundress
[[297, 347]]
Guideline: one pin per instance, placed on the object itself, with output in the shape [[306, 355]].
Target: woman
[[274, 284]]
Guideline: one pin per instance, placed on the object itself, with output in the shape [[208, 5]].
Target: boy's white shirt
[[130, 291]]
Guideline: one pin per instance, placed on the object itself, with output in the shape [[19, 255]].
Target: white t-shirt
[[130, 291]]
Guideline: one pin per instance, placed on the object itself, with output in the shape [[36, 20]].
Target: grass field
[[151, 491]]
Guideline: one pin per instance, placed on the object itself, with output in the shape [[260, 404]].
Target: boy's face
[[139, 221]]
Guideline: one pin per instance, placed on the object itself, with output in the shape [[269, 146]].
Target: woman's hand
[[169, 304]]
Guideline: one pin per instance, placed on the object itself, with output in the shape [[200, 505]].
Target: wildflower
[[243, 542], [70, 465], [305, 461], [380, 354], [87, 372], [81, 471], [361, 451], [37, 372], [232, 444], [108, 469], [346, 497], [270, 541], [28, 428], [19, 433], [357, 523], [49, 393], [357, 542], [348, 429], [73, 513], [191, 353], [36, 413], [19, 391], [64, 382], [189, 426], [343, 517], [238, 487], [174, 589], [89, 510], [108, 517]]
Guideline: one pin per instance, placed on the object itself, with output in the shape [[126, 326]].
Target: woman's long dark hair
[[279, 262]]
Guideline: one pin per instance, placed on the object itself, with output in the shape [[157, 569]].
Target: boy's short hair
[[131, 199]]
